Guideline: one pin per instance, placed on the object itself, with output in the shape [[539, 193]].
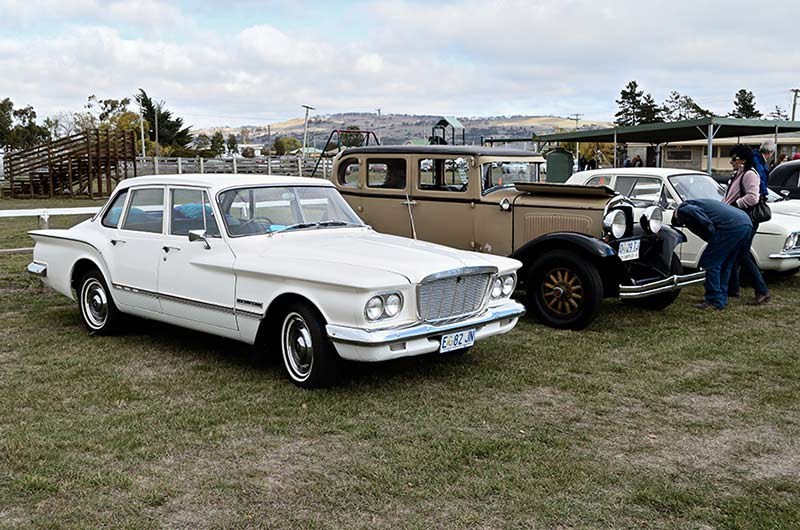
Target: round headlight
[[374, 308], [508, 284], [615, 223], [392, 305], [497, 288], [652, 219]]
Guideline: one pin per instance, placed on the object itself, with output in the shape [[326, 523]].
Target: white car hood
[[365, 249], [790, 207]]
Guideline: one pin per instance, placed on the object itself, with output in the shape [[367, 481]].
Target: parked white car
[[776, 246], [281, 262]]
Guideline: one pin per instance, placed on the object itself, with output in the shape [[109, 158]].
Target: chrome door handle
[[166, 248], [116, 242], [409, 203]]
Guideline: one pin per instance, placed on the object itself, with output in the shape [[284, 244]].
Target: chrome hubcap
[[298, 348], [95, 303]]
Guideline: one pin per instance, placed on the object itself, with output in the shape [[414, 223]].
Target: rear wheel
[[98, 311], [564, 290], [662, 301], [309, 358]]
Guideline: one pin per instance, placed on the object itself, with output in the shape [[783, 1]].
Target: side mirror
[[505, 205], [199, 235], [785, 193]]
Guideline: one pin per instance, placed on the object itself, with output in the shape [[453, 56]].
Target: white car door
[[136, 248], [195, 278]]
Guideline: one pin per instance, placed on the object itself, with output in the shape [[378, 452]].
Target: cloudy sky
[[255, 62]]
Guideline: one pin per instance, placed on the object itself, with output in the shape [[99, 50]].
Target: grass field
[[674, 419]]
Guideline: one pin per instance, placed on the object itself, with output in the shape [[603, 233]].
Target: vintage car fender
[[573, 240], [61, 253]]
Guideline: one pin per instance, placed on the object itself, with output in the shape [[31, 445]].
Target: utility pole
[[379, 125], [794, 103], [577, 116], [141, 129], [305, 129]]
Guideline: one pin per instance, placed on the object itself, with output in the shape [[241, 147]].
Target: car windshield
[[266, 210], [507, 172], [697, 186]]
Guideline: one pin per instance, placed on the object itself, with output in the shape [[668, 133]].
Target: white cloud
[[467, 58]]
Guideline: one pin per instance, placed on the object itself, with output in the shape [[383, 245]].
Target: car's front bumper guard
[[793, 253], [673, 283], [422, 330]]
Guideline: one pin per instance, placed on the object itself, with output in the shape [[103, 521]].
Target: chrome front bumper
[[37, 269], [673, 283], [363, 337], [793, 253]]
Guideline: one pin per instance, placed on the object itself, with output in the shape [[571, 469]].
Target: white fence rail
[[287, 165]]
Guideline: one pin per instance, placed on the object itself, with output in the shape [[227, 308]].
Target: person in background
[[637, 161], [744, 191], [627, 162], [781, 159], [726, 229], [761, 160]]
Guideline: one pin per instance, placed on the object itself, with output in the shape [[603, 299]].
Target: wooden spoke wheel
[[562, 291]]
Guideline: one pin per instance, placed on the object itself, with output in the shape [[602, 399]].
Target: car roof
[[638, 171], [219, 181], [788, 167], [468, 150]]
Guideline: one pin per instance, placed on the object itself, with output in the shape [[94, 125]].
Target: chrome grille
[[454, 295]]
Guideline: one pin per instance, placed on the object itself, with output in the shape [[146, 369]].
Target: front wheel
[[564, 290], [308, 355], [98, 311]]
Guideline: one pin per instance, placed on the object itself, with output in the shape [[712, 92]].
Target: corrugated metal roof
[[659, 133]]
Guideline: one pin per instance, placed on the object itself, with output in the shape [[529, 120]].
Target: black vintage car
[[784, 179]]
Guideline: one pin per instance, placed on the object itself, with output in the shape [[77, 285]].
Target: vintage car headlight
[[383, 306], [497, 288], [392, 305], [791, 241], [615, 223], [508, 284], [374, 308], [652, 219]]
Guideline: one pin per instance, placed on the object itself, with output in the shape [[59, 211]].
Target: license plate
[[629, 250], [457, 341]]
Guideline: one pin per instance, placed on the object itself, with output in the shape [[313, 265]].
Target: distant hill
[[403, 128]]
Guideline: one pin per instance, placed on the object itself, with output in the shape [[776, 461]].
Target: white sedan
[[776, 246], [280, 262]]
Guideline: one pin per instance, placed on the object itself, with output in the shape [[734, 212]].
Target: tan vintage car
[[578, 244]]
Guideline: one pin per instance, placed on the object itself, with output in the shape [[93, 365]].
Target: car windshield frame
[[303, 224], [670, 178]]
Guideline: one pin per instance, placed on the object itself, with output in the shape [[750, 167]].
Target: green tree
[[217, 143], [630, 105], [248, 152], [6, 120], [650, 112], [352, 139], [202, 141], [678, 107], [744, 106], [232, 144], [778, 114], [171, 131], [285, 144], [26, 133]]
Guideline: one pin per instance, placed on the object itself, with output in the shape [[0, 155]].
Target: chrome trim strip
[[247, 313], [37, 269], [463, 271], [673, 283], [345, 334], [794, 253]]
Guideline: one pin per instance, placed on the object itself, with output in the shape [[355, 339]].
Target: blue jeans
[[746, 262], [718, 260]]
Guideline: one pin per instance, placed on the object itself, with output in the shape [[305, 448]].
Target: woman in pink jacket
[[744, 192]]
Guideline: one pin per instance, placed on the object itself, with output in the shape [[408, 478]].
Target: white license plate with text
[[457, 341], [629, 250]]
